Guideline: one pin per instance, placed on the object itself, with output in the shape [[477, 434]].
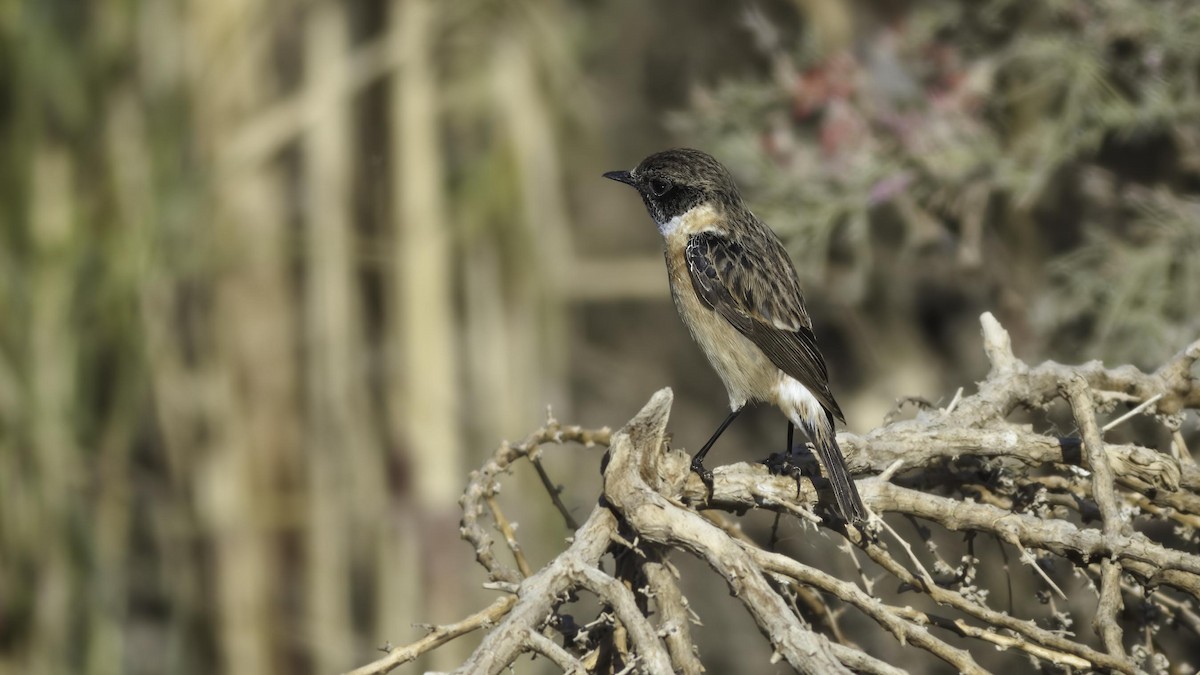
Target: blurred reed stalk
[[54, 455], [219, 450], [249, 438], [424, 385]]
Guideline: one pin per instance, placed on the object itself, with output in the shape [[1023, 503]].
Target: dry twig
[[1030, 496]]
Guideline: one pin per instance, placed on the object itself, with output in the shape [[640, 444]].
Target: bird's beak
[[620, 176]]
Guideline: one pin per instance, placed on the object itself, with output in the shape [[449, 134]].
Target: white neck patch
[[671, 225], [699, 218]]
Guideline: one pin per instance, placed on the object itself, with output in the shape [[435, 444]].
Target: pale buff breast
[[747, 373]]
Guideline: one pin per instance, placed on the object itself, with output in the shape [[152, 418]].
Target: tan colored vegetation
[[274, 274]]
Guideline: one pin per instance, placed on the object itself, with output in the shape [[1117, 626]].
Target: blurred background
[[275, 276]]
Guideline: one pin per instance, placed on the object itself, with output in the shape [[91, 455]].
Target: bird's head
[[673, 182]]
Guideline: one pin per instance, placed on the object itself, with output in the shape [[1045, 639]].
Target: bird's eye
[[659, 187]]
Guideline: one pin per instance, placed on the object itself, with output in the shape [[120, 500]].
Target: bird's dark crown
[[672, 182]]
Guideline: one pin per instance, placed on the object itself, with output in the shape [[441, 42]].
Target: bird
[[737, 291]]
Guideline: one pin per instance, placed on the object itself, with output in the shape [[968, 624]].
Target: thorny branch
[[1080, 511]]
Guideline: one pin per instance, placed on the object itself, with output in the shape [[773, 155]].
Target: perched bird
[[737, 291]]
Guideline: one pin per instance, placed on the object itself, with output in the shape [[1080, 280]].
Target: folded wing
[[757, 292]]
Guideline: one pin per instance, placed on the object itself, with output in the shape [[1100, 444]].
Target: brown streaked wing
[[752, 284]]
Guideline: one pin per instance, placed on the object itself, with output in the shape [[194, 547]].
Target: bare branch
[[539, 594], [965, 469], [510, 536], [888, 617], [1105, 621], [674, 616], [634, 457], [437, 637], [536, 642]]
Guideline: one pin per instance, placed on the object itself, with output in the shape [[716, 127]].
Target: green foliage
[[980, 133], [1118, 287]]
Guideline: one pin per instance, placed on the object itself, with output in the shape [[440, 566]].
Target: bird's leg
[[779, 463], [787, 452], [698, 460], [788, 455]]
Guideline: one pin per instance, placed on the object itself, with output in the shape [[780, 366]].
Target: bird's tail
[[849, 503]]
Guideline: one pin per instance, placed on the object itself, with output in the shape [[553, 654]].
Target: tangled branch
[[1073, 508]]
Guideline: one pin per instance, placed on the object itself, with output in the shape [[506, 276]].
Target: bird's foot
[[780, 464]]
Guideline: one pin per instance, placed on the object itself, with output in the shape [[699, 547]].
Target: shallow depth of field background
[[274, 276]]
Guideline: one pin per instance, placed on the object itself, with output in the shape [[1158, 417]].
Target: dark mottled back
[[673, 181]]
